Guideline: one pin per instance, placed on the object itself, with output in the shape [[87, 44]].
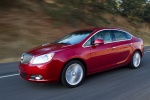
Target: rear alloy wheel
[[73, 74], [136, 60]]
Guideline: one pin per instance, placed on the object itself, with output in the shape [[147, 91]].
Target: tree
[[146, 14]]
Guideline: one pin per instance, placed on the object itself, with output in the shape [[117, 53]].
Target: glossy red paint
[[96, 58]]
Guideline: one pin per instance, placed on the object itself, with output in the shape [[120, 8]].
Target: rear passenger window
[[119, 35], [128, 36]]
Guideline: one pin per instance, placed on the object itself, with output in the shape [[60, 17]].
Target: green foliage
[[133, 8], [137, 10], [146, 13], [90, 11], [76, 11]]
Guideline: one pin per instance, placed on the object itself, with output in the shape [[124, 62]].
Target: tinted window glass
[[119, 35], [127, 35], [104, 35], [74, 37], [88, 43]]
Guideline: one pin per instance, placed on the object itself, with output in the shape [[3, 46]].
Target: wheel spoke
[[76, 68]]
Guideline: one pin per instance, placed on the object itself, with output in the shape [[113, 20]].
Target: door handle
[[130, 44], [113, 48]]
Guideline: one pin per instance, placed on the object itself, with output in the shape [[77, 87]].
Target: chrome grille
[[26, 58]]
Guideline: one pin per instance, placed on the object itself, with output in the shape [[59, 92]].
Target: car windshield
[[74, 38]]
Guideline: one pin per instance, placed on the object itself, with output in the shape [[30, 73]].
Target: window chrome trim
[[83, 45]]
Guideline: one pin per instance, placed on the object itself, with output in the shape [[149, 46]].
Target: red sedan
[[81, 53]]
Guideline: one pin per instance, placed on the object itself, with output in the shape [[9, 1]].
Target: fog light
[[36, 77]]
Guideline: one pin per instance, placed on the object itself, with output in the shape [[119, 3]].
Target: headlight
[[42, 58]]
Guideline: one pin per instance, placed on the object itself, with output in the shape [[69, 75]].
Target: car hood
[[47, 48]]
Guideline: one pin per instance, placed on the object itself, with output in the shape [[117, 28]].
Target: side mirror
[[98, 41]]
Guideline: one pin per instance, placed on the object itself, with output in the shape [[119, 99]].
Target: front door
[[103, 56]]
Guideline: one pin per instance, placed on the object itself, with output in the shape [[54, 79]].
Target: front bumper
[[50, 72]]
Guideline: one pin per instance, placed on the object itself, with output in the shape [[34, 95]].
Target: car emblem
[[22, 58]]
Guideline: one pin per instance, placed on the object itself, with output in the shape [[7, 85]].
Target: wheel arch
[[79, 59], [138, 50], [131, 64]]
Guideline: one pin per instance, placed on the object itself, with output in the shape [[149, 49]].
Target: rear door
[[122, 45]]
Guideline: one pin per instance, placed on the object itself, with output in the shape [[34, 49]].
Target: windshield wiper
[[67, 43]]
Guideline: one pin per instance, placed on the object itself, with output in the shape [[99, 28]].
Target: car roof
[[96, 29]]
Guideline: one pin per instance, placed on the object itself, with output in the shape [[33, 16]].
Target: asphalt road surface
[[117, 84]]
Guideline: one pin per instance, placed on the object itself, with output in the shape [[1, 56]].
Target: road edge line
[[9, 75]]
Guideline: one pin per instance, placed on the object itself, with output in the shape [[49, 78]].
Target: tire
[[73, 74], [135, 60]]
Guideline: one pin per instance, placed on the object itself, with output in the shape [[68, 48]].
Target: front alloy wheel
[[73, 74]]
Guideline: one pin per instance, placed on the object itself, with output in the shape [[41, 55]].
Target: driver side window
[[104, 35]]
